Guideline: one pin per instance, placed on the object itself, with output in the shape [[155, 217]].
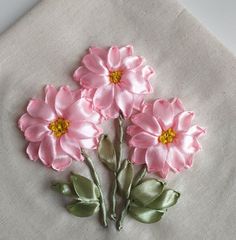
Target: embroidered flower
[[59, 126], [118, 80], [163, 138]]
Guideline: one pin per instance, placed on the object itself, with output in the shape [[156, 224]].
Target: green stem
[[89, 163], [138, 177], [119, 153], [123, 214], [120, 140], [113, 198]]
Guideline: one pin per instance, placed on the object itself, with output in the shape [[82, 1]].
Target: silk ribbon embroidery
[[117, 79], [160, 135], [163, 138]]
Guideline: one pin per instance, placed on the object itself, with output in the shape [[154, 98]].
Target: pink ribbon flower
[[163, 138], [59, 126], [117, 79]]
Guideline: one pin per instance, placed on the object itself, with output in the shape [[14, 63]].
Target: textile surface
[[46, 46]]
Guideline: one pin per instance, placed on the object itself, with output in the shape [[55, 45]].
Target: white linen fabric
[[46, 46]]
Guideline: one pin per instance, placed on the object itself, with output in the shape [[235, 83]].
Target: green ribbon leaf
[[62, 188], [83, 209], [106, 153], [145, 215], [125, 178], [139, 176], [167, 199], [84, 187], [147, 191]]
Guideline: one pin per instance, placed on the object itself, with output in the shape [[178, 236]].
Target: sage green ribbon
[[84, 194], [145, 215], [149, 200], [146, 200]]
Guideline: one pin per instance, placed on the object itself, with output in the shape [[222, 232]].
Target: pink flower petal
[[147, 72], [50, 95], [156, 157], [189, 161], [175, 159], [133, 130], [196, 145], [148, 123], [196, 131], [32, 151], [85, 93], [83, 130], [94, 64], [47, 150], [79, 73], [177, 105], [111, 112], [81, 110], [165, 170], [100, 52], [61, 163], [138, 156], [126, 51], [103, 97], [62, 160], [71, 146], [79, 93], [26, 120], [36, 133], [113, 57], [138, 101], [133, 62], [147, 108], [92, 80], [90, 143], [163, 111], [143, 140], [39, 109], [134, 82], [64, 99], [186, 143], [183, 120], [124, 101]]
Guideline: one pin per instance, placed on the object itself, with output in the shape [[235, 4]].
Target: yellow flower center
[[167, 136], [115, 76], [59, 127]]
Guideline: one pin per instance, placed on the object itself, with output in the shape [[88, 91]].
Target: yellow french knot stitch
[[115, 76], [167, 136], [59, 127]]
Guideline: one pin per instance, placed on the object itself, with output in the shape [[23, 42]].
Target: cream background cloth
[[46, 46]]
